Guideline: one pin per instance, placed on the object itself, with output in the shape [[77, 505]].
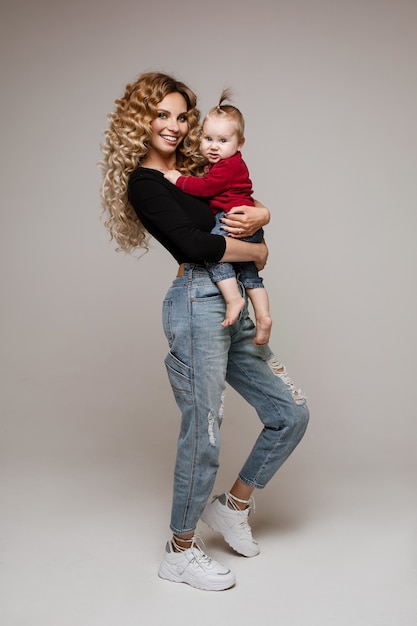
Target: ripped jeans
[[202, 356]]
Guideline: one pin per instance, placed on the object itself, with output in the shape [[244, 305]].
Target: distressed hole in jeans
[[279, 369], [221, 410], [210, 418], [212, 438]]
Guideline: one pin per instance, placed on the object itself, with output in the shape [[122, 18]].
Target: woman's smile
[[169, 138]]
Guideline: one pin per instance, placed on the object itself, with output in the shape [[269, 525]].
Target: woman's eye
[[161, 115], [182, 118]]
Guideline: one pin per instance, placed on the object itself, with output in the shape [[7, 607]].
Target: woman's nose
[[173, 124]]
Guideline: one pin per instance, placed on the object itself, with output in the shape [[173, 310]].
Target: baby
[[227, 184]]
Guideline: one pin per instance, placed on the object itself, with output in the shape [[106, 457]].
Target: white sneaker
[[232, 524], [194, 567]]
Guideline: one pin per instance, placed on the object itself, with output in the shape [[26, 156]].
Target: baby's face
[[219, 139]]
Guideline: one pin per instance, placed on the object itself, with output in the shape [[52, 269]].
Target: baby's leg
[[260, 303], [233, 298]]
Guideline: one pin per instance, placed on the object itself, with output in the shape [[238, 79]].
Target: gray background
[[88, 423]]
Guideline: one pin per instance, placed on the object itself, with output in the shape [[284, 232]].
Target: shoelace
[[250, 504], [197, 547], [244, 524]]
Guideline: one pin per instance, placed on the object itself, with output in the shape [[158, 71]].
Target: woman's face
[[170, 125]]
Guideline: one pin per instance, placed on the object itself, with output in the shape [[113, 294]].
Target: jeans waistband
[[186, 267]]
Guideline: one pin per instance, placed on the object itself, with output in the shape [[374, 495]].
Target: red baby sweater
[[226, 184]]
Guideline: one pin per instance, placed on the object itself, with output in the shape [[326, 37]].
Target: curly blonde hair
[[126, 144]]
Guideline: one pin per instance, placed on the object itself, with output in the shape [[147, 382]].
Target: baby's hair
[[227, 94], [231, 112]]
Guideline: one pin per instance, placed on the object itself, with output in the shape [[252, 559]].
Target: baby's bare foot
[[233, 309], [263, 330]]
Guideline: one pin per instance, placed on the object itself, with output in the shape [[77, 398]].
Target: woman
[[153, 129]]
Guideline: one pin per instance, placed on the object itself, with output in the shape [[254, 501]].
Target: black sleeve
[[179, 221]]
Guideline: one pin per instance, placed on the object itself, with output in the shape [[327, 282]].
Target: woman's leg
[[196, 366], [241, 494], [263, 381], [259, 377]]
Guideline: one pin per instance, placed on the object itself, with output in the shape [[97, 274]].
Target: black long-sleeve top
[[180, 222]]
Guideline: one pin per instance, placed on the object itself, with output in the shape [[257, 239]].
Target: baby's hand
[[172, 176]]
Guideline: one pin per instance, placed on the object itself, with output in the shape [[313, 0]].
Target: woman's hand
[[244, 221]]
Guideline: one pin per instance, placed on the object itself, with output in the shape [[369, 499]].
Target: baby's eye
[[223, 140], [208, 138]]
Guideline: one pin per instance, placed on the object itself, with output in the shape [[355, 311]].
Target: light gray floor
[[81, 545]]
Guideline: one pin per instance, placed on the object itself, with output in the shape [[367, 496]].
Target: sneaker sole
[[168, 573]]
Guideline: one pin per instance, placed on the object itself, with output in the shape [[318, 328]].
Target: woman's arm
[[244, 221], [237, 251], [172, 216]]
